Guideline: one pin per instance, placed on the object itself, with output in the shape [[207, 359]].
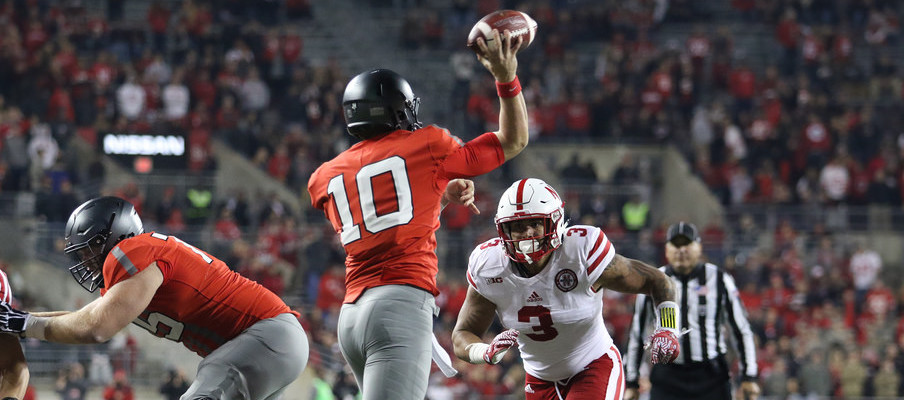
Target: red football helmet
[[531, 199]]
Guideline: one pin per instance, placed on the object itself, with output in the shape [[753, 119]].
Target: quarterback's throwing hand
[[12, 320], [664, 346], [500, 344]]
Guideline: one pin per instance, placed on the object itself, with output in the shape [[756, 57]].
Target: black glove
[[12, 320]]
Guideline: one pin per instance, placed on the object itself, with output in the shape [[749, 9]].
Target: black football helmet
[[94, 228], [377, 102]]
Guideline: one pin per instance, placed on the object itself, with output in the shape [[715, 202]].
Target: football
[[517, 22]]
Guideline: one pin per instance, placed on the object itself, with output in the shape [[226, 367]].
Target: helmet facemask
[[526, 200], [529, 249], [89, 257], [411, 108]]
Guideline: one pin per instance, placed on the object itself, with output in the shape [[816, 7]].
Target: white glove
[[492, 353]]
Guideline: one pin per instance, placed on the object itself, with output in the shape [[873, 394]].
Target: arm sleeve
[[740, 327], [599, 253], [471, 273], [643, 311], [6, 293], [477, 157]]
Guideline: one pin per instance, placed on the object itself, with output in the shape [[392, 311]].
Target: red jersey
[[201, 302], [382, 197]]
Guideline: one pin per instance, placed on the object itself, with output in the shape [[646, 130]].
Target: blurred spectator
[[132, 193], [853, 375], [865, 266], [254, 92], [237, 203], [71, 383], [17, 160], [627, 171], [175, 98], [331, 291], [119, 389], [835, 180], [814, 375], [167, 203], [455, 219], [887, 380], [775, 380], [174, 385], [635, 213], [130, 97], [272, 207], [578, 173], [199, 205], [225, 232], [100, 370], [158, 71]]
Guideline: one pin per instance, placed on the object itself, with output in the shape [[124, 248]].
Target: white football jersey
[[558, 315]]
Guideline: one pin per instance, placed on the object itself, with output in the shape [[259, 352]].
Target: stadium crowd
[[814, 125]]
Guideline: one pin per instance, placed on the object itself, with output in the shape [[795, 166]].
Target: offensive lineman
[[545, 282], [252, 343]]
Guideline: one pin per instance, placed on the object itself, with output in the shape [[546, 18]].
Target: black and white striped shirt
[[708, 298]]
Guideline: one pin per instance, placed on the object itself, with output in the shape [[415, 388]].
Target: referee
[[708, 298]]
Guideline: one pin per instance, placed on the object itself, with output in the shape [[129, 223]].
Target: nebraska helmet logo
[[566, 280]]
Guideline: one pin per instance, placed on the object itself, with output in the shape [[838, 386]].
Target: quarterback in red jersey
[[13, 369], [383, 197], [252, 343]]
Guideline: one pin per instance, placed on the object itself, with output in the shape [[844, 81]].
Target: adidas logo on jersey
[[534, 297], [528, 389]]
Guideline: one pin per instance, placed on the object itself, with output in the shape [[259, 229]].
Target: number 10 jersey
[[557, 312], [382, 197]]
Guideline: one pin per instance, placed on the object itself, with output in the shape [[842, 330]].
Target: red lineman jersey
[[201, 302], [382, 197]]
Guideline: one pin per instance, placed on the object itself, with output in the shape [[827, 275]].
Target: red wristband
[[508, 90]]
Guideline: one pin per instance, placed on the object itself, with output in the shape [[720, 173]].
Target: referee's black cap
[[681, 233]]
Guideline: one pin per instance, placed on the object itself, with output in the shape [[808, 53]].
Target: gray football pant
[[386, 337], [256, 365]]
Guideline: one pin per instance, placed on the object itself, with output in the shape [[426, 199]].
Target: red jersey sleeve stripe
[[599, 259], [599, 241], [124, 261], [6, 293], [471, 280]]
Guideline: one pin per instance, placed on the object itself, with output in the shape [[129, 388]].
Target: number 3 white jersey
[[558, 315]]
